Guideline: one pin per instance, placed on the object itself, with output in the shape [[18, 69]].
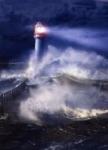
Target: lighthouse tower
[[40, 33]]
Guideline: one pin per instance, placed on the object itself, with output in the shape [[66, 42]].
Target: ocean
[[55, 112]]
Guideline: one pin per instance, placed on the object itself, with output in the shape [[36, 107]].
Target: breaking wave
[[57, 97]]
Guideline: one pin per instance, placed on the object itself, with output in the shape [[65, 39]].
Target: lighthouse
[[40, 32]]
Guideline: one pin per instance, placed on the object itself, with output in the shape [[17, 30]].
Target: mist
[[57, 98], [62, 99]]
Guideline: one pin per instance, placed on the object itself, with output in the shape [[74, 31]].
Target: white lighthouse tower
[[40, 33]]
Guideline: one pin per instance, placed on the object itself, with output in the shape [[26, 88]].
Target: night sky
[[18, 17]]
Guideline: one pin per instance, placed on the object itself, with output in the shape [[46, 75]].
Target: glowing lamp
[[40, 30]]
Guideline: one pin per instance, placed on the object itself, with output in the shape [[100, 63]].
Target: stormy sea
[[65, 102], [58, 101]]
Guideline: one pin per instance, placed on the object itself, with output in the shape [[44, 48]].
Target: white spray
[[69, 100], [61, 98]]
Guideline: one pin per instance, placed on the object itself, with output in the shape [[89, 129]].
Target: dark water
[[79, 136]]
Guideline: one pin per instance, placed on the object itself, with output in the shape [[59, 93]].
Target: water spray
[[62, 74]]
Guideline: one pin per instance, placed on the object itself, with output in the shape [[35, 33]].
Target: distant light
[[40, 30]]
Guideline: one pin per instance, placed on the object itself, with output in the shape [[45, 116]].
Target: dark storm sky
[[17, 15], [50, 11]]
